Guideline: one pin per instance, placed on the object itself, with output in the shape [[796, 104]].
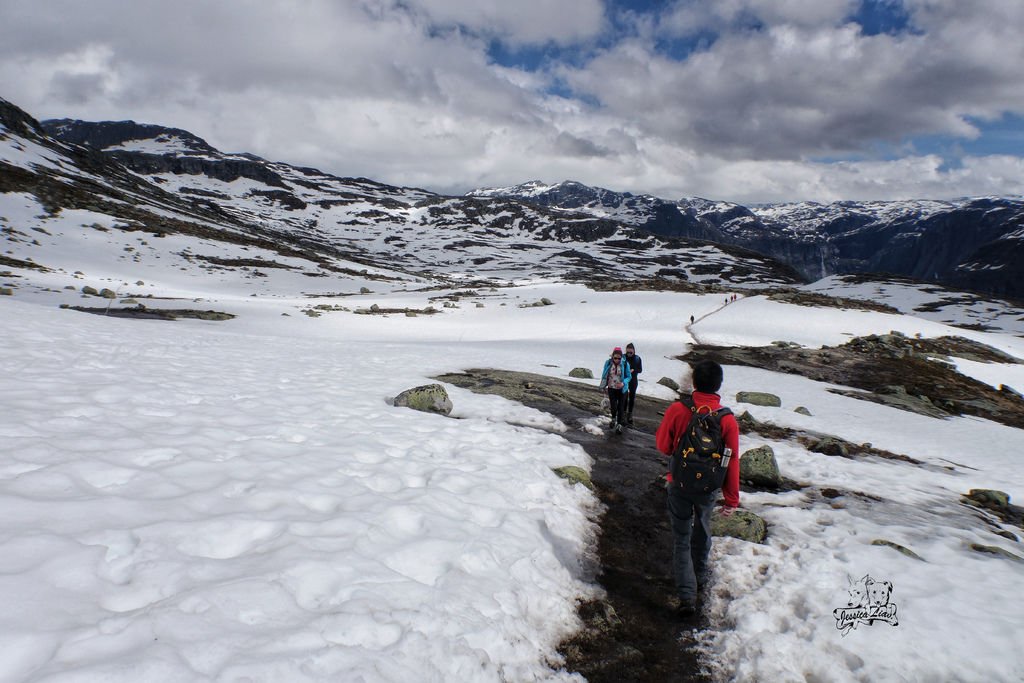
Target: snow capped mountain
[[662, 217], [149, 177], [811, 217], [359, 220], [969, 243]]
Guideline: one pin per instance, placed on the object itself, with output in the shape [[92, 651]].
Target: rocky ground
[[630, 634], [902, 372]]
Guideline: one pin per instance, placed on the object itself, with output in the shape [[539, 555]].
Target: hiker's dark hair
[[707, 377]]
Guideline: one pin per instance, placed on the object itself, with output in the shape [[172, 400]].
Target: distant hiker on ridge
[[702, 439], [615, 379], [636, 366]]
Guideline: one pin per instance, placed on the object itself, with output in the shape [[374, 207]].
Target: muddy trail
[[632, 634]]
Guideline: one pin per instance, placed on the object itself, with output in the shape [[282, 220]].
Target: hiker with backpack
[[615, 380], [636, 366], [702, 440]]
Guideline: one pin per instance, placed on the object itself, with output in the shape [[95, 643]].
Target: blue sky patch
[[882, 16]]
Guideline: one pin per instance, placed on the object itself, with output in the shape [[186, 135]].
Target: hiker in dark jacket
[[636, 366], [615, 379], [690, 514]]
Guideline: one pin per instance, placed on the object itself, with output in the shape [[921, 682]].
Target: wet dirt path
[[631, 635]]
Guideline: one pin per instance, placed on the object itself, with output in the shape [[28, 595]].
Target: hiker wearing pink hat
[[615, 380]]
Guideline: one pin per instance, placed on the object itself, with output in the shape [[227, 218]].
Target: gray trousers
[[691, 539]]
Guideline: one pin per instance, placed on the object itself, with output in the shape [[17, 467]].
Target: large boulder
[[759, 398], [758, 467], [741, 524], [581, 373], [429, 398]]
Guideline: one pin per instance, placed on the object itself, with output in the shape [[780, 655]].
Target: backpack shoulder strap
[[688, 402]]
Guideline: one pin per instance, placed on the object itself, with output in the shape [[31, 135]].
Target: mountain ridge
[[972, 243], [951, 242], [171, 182]]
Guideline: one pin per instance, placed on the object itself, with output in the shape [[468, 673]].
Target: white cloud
[[405, 92], [791, 92], [907, 178]]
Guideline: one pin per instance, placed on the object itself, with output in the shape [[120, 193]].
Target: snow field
[[216, 511], [202, 501]]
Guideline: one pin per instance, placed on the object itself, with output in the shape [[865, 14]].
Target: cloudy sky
[[742, 100]]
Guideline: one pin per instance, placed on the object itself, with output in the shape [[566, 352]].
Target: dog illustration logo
[[879, 593], [859, 592], [867, 601]]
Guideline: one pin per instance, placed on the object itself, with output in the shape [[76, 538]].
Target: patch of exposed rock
[[895, 370], [141, 312], [669, 382], [816, 299], [816, 442]]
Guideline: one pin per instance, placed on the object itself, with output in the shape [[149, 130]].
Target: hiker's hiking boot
[[618, 429], [682, 608], [629, 419]]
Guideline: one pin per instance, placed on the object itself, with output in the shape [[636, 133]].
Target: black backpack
[[698, 462]]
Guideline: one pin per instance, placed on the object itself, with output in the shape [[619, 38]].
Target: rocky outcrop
[[581, 373], [102, 134], [989, 498], [18, 122], [891, 369], [997, 503], [226, 170]]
